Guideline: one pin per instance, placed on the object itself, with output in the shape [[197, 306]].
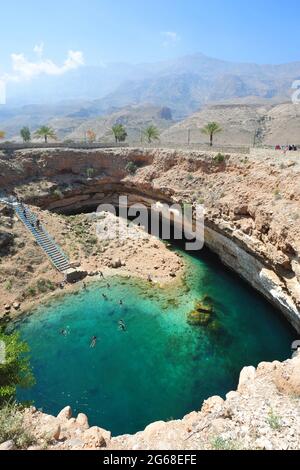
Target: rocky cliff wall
[[252, 205]]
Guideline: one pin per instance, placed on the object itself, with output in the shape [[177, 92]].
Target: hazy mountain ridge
[[186, 85], [96, 82]]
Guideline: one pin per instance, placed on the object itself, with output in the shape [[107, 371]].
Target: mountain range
[[186, 85]]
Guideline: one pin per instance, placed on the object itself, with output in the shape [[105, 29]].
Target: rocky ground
[[263, 414]]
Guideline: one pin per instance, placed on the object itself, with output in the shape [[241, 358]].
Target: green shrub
[[58, 193], [90, 172], [219, 158], [277, 194], [15, 371], [219, 443], [30, 292], [12, 427], [274, 421], [92, 240], [8, 285], [45, 285], [131, 168]]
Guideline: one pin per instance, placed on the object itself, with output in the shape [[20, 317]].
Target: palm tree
[[151, 133], [25, 134], [2, 134], [46, 133], [211, 129], [119, 132]]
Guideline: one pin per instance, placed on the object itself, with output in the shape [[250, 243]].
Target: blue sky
[[262, 31]]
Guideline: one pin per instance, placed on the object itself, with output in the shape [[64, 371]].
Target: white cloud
[[170, 38], [24, 69], [39, 49]]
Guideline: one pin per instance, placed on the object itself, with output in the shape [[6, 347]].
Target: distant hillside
[[134, 118], [242, 125], [282, 125]]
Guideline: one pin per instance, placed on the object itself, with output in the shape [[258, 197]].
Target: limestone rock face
[[96, 437], [287, 377]]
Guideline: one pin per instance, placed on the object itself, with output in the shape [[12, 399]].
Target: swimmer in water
[[104, 296], [108, 286], [93, 342], [64, 332], [121, 302], [122, 325]]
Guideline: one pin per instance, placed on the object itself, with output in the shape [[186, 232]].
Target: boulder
[[287, 377], [6, 211], [117, 263], [82, 421], [8, 445], [51, 431], [154, 428], [96, 437], [202, 314], [74, 444], [6, 240], [247, 377], [69, 425], [263, 444], [65, 414], [212, 403]]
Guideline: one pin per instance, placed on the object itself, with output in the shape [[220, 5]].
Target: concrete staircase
[[45, 241]]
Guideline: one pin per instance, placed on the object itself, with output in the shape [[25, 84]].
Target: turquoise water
[[160, 367]]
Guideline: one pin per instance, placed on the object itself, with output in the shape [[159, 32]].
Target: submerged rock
[[201, 315], [196, 318]]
